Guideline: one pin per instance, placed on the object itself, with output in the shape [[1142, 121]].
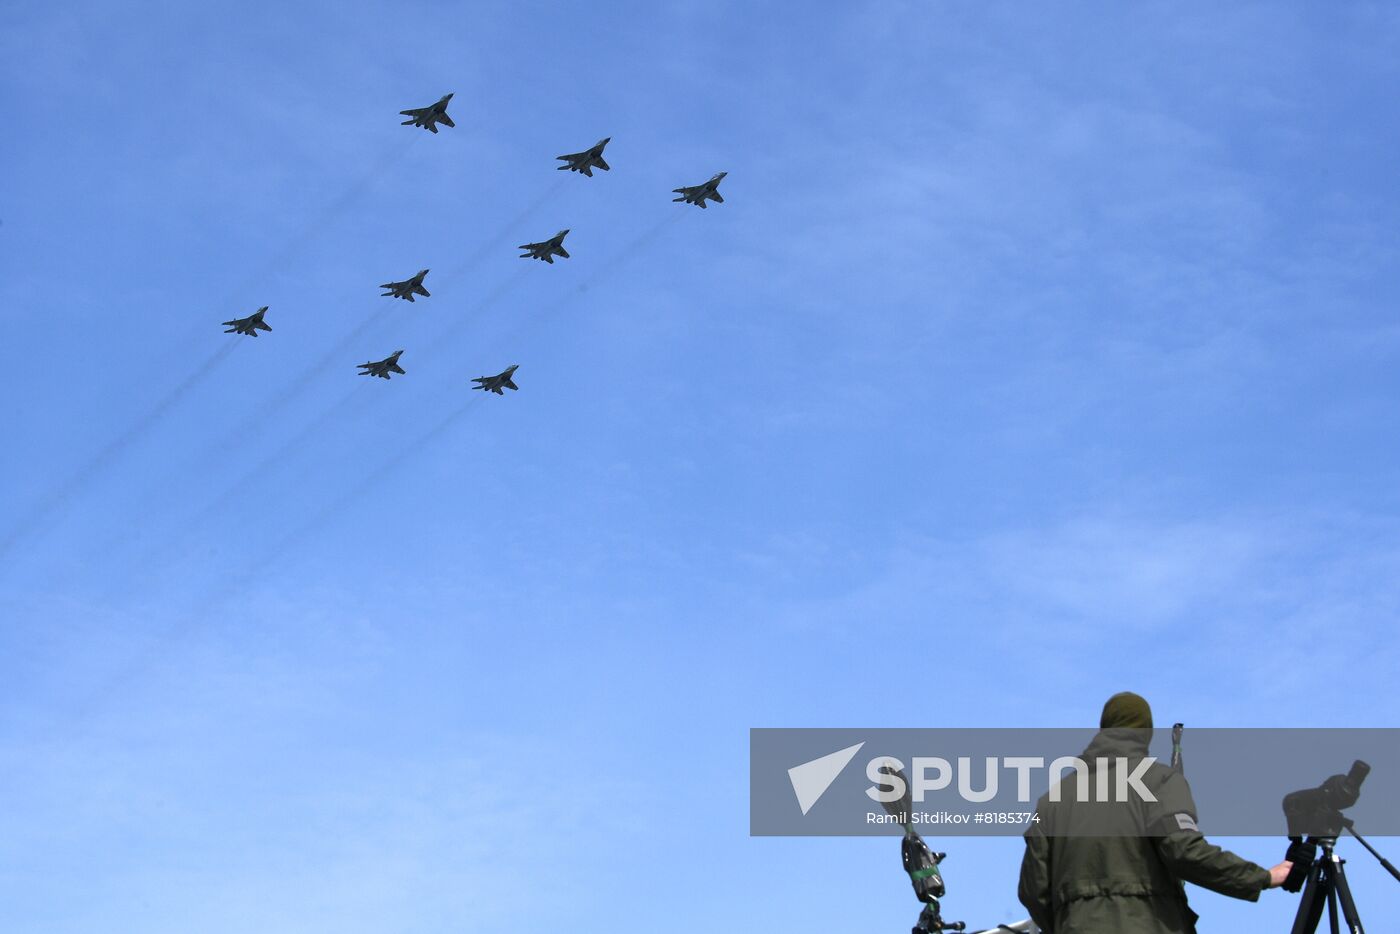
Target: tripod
[[1326, 882]]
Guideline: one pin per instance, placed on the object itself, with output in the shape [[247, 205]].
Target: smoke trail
[[113, 449], [255, 422], [498, 241], [309, 430], [251, 425], [294, 245], [183, 628], [247, 481], [529, 322], [401, 454]]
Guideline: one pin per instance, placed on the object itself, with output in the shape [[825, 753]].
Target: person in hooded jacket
[[1119, 867]]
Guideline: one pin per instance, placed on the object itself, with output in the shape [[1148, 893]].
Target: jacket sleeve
[[1192, 858], [1034, 890]]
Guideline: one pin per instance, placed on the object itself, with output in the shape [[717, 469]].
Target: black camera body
[[1317, 812]]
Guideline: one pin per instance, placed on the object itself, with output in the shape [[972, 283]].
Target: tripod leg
[[1310, 904], [1348, 906], [1332, 910]]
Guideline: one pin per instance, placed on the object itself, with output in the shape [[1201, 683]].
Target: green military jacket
[[1118, 868]]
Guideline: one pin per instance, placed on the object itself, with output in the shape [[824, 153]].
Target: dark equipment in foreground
[[919, 862], [586, 161], [696, 194], [922, 866], [428, 117], [1317, 813], [546, 249], [407, 288], [498, 382], [382, 368], [250, 325]]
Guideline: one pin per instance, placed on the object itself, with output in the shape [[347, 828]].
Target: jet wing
[[416, 112], [396, 368], [446, 119], [598, 161], [719, 198]]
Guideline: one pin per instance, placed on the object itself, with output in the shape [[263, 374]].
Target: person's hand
[[1279, 873]]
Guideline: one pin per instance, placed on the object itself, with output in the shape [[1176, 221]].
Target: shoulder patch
[[1186, 822]]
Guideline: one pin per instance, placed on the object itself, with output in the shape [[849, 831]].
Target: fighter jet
[[498, 382], [547, 250], [586, 161], [250, 325], [382, 368], [696, 194], [407, 288], [429, 117]]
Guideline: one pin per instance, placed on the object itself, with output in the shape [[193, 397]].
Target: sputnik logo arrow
[[810, 780]]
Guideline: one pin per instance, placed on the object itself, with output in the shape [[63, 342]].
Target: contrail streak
[[112, 450], [184, 627]]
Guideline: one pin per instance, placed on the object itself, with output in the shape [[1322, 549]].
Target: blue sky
[[1035, 355]]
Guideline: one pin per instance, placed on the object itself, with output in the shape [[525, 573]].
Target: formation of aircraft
[[498, 382], [696, 194], [546, 249], [586, 161], [382, 368], [429, 117], [583, 162], [250, 325], [407, 288]]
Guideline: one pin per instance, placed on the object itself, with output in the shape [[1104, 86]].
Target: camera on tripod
[[1317, 812]]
